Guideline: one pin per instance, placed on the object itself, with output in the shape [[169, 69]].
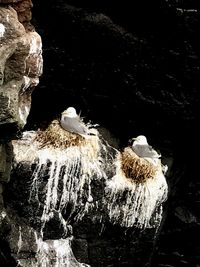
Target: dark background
[[134, 68]]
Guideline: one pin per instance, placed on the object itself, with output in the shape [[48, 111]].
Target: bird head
[[70, 112], [141, 139]]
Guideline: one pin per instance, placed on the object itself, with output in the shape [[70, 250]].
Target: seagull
[[142, 149], [73, 123]]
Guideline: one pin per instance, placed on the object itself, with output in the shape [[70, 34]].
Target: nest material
[[57, 137], [135, 168]]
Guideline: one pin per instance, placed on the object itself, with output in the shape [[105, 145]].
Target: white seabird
[[73, 123], [141, 147]]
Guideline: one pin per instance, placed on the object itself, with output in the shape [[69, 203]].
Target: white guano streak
[[134, 204], [2, 30]]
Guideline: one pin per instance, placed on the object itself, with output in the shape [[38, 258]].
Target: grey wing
[[140, 150], [152, 153], [74, 125], [145, 151]]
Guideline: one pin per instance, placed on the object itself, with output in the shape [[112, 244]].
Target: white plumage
[[73, 123], [141, 147]]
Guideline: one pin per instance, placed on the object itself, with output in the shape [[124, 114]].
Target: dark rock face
[[153, 69], [79, 195], [133, 70]]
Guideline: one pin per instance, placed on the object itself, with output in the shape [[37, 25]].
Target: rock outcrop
[[21, 65], [73, 194]]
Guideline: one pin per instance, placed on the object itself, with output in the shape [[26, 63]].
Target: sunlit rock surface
[[56, 190], [20, 68]]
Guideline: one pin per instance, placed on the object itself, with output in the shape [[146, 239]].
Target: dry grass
[[135, 168], [55, 136]]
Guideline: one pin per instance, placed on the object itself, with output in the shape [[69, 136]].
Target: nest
[[135, 168], [57, 137]]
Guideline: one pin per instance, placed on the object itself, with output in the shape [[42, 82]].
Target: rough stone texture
[[5, 162], [22, 7], [20, 68], [9, 1], [81, 192]]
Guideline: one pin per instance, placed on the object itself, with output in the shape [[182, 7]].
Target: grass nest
[[135, 168], [55, 136]]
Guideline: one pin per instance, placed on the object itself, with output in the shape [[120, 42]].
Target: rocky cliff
[[20, 68], [132, 69], [69, 194]]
